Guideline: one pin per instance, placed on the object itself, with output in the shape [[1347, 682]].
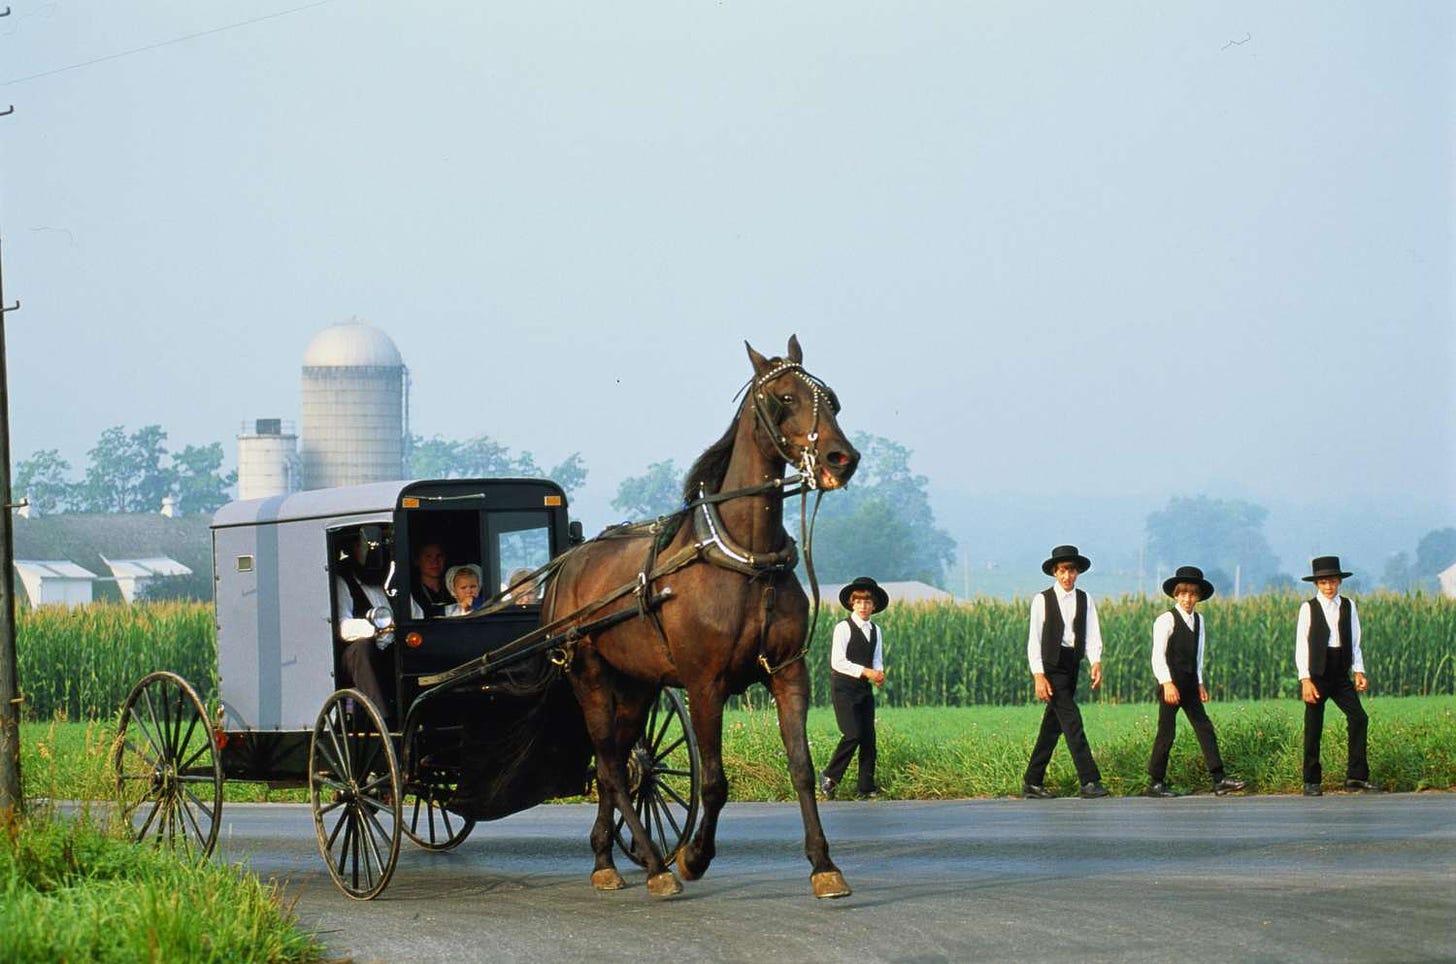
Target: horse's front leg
[[790, 689], [705, 705]]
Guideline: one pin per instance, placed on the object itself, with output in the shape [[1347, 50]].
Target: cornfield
[[81, 663], [943, 654]]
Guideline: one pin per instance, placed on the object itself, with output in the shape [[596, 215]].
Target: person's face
[[432, 563], [1328, 585], [1187, 596], [1065, 573], [862, 604], [465, 589]]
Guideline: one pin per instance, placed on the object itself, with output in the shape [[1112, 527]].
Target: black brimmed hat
[[1188, 574], [1066, 554], [1324, 566], [864, 584]]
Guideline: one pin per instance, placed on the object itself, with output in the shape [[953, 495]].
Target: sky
[[1073, 255]]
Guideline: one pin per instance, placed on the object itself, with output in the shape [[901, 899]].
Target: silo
[[353, 422], [267, 459]]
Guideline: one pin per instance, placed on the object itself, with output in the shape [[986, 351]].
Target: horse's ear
[[796, 354], [760, 364]]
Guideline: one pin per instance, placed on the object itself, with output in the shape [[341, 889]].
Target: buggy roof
[[373, 499]]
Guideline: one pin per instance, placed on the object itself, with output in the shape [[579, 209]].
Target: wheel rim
[[663, 779], [427, 819], [354, 789], [168, 773]]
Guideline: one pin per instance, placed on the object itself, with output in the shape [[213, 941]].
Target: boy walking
[[1178, 646], [856, 654], [1064, 629], [1326, 653]]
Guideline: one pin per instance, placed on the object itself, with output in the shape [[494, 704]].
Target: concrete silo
[[268, 462], [354, 407]]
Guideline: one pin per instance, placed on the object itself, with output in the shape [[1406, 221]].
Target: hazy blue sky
[[1129, 250]]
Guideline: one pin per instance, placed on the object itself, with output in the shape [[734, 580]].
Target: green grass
[[70, 890]]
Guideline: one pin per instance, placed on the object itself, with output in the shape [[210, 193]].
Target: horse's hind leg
[[790, 688], [609, 718], [706, 708]]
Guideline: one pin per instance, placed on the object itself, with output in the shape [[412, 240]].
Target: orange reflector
[[414, 640], [220, 738], [410, 502], [553, 500]]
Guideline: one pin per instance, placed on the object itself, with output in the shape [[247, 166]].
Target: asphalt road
[[1340, 878]]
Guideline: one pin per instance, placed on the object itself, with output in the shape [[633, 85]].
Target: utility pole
[[12, 801]]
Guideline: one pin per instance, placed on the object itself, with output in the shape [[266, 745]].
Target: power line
[[166, 43]]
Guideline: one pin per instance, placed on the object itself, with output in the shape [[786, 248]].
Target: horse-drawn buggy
[[433, 751], [577, 655]]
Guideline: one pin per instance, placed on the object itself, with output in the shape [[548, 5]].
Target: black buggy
[[479, 722]]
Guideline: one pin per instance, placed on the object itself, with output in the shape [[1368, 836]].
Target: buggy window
[[521, 540]]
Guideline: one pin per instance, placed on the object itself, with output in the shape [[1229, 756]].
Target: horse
[[720, 609]]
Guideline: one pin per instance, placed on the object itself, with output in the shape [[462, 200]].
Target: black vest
[[1183, 646], [357, 597], [1322, 659], [430, 603], [860, 649], [1053, 629]]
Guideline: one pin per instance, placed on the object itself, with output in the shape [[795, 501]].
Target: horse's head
[[797, 415]]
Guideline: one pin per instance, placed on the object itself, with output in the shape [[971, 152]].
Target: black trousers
[[364, 664], [854, 711], [1341, 689], [1062, 718], [1192, 707]]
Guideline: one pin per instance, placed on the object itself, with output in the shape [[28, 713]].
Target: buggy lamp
[[414, 640]]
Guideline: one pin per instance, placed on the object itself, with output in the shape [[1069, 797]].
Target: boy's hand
[[1043, 687], [1361, 682], [1096, 675], [1170, 693], [1307, 692], [876, 676], [1202, 693]]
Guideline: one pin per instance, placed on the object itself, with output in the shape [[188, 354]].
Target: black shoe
[[873, 793], [1229, 785], [1160, 789], [1363, 786], [1093, 790], [1035, 791], [827, 786], [1313, 790]]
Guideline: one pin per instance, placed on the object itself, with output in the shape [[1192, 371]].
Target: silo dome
[[354, 407]]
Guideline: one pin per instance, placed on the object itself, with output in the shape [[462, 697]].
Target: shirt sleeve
[[1033, 639], [1202, 628], [1301, 642], [1162, 629], [343, 602], [838, 660], [879, 658], [1094, 633], [1357, 658]]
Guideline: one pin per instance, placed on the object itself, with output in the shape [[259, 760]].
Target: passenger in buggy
[[358, 589], [430, 594], [523, 595], [464, 583]]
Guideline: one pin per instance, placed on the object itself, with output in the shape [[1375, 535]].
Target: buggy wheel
[[664, 779], [429, 787], [354, 789], [168, 773]]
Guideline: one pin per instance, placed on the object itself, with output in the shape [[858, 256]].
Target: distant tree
[[126, 472], [655, 493], [201, 486], [1435, 551], [483, 457], [1226, 534], [197, 587], [882, 524], [1398, 574], [43, 479]]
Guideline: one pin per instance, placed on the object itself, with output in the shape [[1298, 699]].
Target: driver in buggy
[[358, 590]]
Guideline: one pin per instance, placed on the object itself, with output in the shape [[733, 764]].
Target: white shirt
[[839, 661], [1332, 616], [345, 599], [1162, 632], [1067, 601]]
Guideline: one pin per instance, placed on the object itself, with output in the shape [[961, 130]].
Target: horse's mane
[[712, 465]]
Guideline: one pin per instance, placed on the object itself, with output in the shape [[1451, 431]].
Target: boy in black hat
[[1178, 665], [1064, 628], [857, 658], [1326, 653]]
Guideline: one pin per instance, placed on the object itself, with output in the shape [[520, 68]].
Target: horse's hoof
[[663, 884], [830, 883], [682, 866], [607, 879]]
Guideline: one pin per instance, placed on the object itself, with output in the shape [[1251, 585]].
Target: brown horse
[[732, 613]]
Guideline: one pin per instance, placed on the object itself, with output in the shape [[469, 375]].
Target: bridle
[[767, 412]]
